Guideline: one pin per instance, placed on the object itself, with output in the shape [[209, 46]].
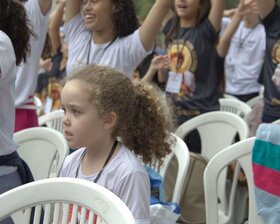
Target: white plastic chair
[[276, 122], [252, 102], [217, 131], [53, 119], [227, 96], [43, 149], [48, 196], [181, 151], [39, 105], [241, 152], [235, 106]]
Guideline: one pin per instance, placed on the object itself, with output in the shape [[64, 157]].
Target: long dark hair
[[14, 22], [125, 19], [204, 10]]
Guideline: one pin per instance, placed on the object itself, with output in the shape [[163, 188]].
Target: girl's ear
[[110, 120]]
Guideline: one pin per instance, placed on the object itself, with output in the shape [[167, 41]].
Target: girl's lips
[[68, 134]]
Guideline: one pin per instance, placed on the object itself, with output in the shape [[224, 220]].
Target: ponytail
[[149, 134]]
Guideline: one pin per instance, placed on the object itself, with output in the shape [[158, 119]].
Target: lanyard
[[242, 40], [89, 49], [107, 160]]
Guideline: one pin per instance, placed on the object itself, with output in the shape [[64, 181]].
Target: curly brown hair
[[125, 19], [15, 23], [144, 120]]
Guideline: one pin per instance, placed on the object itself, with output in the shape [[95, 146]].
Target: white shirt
[[27, 73], [7, 97], [124, 54], [124, 176], [244, 60]]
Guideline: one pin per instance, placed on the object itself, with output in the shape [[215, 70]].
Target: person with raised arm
[[107, 32]]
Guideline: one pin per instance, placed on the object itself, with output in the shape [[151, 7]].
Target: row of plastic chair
[[52, 192], [217, 131]]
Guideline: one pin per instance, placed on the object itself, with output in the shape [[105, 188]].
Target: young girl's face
[[98, 14], [187, 8], [83, 126]]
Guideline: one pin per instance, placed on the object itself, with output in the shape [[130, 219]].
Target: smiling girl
[[106, 32]]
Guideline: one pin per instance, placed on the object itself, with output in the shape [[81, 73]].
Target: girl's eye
[[76, 112]]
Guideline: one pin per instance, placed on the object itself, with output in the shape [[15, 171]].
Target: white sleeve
[[75, 31], [34, 13], [134, 190], [7, 55], [134, 49]]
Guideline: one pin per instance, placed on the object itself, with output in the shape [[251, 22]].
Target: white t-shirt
[[124, 176], [27, 73], [124, 54], [7, 97], [244, 60]]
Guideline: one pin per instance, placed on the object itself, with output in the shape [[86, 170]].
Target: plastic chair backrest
[[56, 200], [252, 102], [240, 151], [276, 122], [217, 131], [235, 106], [39, 105], [43, 149], [53, 119], [181, 151]]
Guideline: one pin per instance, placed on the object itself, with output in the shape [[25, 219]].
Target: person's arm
[[216, 13], [229, 12], [54, 25], [225, 40], [265, 7], [152, 23], [45, 6], [73, 7]]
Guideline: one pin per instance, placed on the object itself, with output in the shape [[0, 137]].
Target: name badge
[[174, 82]]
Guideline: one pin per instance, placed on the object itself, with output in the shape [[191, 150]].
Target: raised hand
[[160, 62], [247, 7]]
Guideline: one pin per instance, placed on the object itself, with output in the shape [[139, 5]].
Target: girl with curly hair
[[14, 49], [115, 122], [107, 32]]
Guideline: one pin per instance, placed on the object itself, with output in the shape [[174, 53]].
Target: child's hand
[[247, 8], [160, 62]]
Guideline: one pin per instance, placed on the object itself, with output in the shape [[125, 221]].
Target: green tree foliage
[[143, 7]]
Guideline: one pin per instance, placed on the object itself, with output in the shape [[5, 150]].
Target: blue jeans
[[9, 182]]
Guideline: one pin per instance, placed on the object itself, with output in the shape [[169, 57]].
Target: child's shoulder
[[127, 161], [74, 155]]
